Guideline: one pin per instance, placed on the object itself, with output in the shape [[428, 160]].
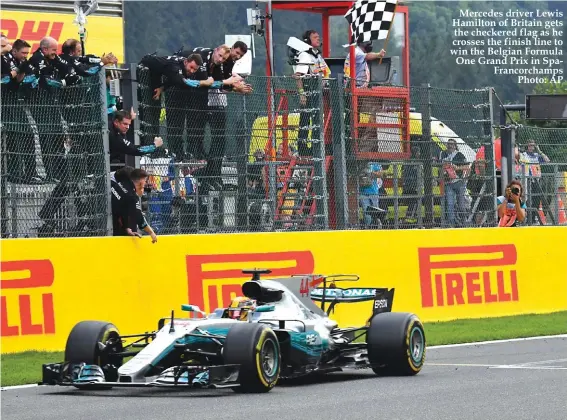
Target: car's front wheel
[[256, 349], [83, 346]]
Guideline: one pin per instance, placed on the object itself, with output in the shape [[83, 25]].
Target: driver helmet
[[240, 307]]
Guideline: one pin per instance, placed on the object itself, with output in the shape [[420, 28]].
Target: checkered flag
[[370, 19]]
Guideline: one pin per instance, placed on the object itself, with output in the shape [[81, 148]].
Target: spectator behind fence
[[17, 132], [120, 146], [511, 207], [455, 171], [531, 161], [126, 187], [370, 182], [309, 62]]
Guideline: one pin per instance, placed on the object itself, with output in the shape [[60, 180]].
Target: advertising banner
[[104, 33], [48, 285]]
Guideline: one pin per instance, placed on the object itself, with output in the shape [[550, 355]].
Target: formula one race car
[[275, 331]]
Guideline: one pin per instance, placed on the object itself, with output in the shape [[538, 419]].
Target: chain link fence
[[235, 162], [54, 175], [541, 166], [405, 173], [273, 160]]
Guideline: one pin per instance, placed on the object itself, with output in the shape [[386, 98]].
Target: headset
[[307, 35]]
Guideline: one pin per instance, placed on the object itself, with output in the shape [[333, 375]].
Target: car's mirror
[[190, 308], [265, 308]]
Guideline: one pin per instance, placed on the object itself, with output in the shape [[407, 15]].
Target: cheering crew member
[[18, 134], [150, 72], [72, 55], [120, 146], [126, 187], [84, 138], [209, 107], [53, 74]]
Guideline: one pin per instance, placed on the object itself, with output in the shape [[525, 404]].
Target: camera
[[515, 190]]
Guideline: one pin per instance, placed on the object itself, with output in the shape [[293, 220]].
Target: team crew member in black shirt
[[126, 188], [151, 86], [20, 146], [209, 107], [52, 73], [120, 146], [84, 136]]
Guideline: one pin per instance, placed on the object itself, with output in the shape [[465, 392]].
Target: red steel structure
[[398, 95]]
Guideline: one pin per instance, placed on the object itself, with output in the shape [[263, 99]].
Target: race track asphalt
[[463, 382]]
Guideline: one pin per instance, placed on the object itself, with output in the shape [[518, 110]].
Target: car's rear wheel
[[256, 348], [83, 346], [396, 343]]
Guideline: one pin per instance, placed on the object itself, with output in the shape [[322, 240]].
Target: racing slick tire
[[82, 346], [396, 343], [255, 347]]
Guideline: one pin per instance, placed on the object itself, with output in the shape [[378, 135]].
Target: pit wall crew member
[[126, 187], [151, 86], [84, 138], [53, 74], [120, 146], [511, 207], [17, 132], [237, 51], [310, 63], [179, 84], [179, 98], [209, 107]]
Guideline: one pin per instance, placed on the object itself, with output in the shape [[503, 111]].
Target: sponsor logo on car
[[468, 275], [353, 294]]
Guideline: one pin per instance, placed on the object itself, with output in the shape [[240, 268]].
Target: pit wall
[[48, 285]]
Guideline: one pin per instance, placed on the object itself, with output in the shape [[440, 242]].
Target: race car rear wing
[[383, 298]]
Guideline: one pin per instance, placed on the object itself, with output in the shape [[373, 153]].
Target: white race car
[[280, 333]]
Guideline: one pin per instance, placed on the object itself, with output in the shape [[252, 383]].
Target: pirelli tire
[[396, 344], [83, 345], [255, 347]]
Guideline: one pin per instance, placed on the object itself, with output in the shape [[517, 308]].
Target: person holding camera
[[511, 208]]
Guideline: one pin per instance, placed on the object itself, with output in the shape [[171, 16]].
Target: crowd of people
[[203, 74], [194, 83]]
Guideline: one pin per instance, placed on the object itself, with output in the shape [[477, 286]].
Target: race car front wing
[[82, 375]]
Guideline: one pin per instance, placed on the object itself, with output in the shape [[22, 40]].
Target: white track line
[[510, 340], [498, 366], [8, 388], [478, 343]]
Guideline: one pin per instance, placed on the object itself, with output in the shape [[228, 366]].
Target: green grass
[[25, 368], [471, 330]]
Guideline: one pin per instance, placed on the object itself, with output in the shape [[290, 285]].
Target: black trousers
[[310, 114], [19, 139], [149, 111], [216, 118], [45, 110], [176, 115]]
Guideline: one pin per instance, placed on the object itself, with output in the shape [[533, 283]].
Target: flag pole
[[389, 31]]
